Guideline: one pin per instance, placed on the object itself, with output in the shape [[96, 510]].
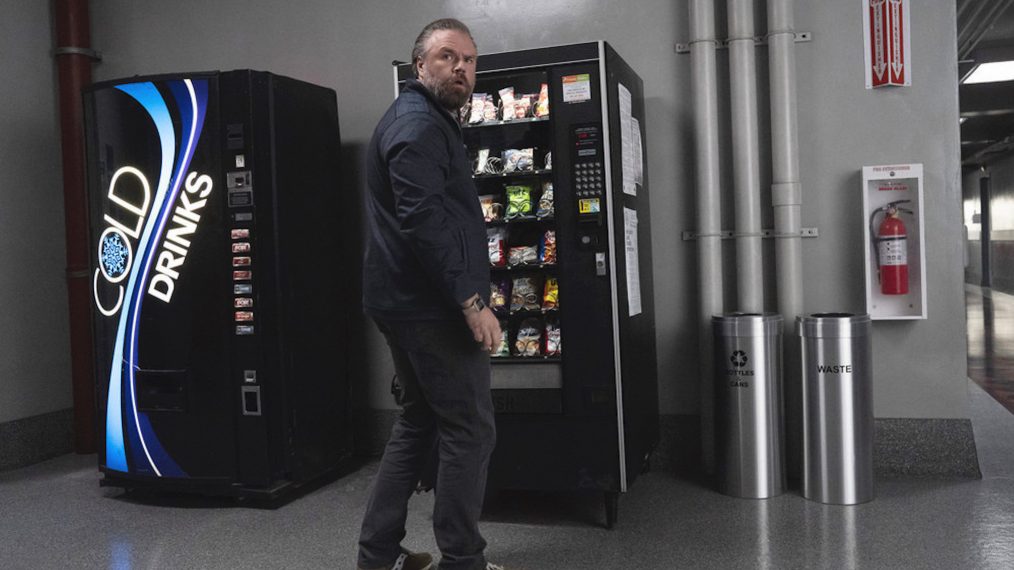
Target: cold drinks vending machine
[[218, 300], [557, 141]]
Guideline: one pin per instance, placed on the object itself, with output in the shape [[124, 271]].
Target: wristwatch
[[478, 304]]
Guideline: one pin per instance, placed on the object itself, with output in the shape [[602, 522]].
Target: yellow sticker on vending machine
[[588, 205]]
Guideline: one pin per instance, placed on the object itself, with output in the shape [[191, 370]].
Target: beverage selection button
[[244, 316], [242, 275], [239, 261], [241, 247], [242, 289], [240, 233], [243, 302], [244, 329]]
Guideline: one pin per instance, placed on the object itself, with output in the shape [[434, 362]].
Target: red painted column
[[74, 64]]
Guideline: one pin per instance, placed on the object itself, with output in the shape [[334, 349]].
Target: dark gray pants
[[445, 381]]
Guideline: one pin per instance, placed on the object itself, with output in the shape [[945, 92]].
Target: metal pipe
[[73, 44], [704, 82], [745, 151], [786, 199], [973, 20], [996, 10]]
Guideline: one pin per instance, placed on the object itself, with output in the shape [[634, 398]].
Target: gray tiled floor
[[54, 515]]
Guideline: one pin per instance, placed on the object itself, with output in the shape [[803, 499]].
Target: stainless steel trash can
[[748, 404], [837, 407]]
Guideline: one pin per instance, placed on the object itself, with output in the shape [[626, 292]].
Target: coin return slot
[[251, 400]]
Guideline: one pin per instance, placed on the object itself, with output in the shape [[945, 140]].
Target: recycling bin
[[749, 457]]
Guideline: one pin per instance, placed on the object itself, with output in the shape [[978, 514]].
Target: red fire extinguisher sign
[[886, 31]]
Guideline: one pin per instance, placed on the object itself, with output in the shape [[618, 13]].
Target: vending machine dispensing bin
[[556, 136], [748, 405], [218, 311]]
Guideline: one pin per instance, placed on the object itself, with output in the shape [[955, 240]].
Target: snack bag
[[551, 295], [491, 209], [522, 106], [525, 294], [507, 103], [480, 161], [549, 161], [529, 338], [547, 248], [554, 343], [489, 109], [478, 106], [542, 106], [519, 201], [497, 238], [523, 255], [499, 292], [519, 160], [502, 347], [545, 209]]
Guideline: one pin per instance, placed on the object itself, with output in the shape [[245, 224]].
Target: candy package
[[502, 346], [507, 103], [528, 341], [519, 201], [525, 294], [551, 295], [547, 247], [519, 160], [549, 161], [523, 255], [497, 238], [545, 209], [542, 105], [492, 210], [499, 292], [554, 343]]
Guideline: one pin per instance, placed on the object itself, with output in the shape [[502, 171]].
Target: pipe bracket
[[87, 52], [800, 37], [767, 233]]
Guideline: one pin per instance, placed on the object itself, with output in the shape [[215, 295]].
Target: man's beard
[[447, 96]]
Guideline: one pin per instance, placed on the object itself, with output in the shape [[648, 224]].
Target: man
[[426, 284]]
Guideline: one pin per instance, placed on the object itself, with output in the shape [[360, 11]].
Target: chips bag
[[519, 201], [529, 338]]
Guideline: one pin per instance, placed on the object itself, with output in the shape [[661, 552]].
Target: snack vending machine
[[556, 136], [218, 309]]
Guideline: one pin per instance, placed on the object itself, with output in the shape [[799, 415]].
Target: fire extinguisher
[[890, 246]]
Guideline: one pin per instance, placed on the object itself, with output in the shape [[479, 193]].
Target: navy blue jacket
[[426, 249]]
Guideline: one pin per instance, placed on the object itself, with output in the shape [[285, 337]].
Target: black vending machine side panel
[[632, 234], [309, 211], [158, 257]]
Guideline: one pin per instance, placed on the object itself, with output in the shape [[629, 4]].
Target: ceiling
[[985, 33]]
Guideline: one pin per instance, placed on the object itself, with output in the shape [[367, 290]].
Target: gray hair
[[442, 24]]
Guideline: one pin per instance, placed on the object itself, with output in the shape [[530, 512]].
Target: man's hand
[[484, 325]]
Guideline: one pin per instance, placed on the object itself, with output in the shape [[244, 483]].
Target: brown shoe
[[409, 561]]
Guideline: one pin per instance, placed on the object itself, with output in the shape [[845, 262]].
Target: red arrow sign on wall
[[887, 46], [878, 42], [897, 45]]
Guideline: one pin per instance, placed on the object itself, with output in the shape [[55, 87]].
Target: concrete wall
[[34, 338], [920, 370]]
